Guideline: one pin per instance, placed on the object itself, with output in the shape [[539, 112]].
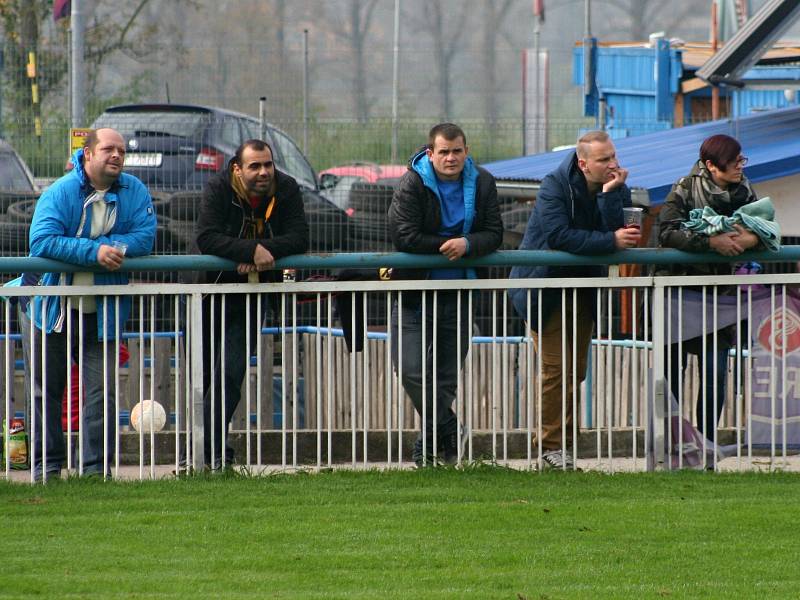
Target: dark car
[[175, 148], [179, 146], [18, 191]]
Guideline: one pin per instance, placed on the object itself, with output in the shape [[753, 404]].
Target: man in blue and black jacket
[[578, 209], [93, 215], [445, 204]]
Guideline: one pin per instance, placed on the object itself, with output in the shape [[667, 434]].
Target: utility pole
[[305, 91], [77, 64], [714, 47], [395, 78]]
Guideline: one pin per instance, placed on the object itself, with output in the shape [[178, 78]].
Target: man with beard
[[253, 214]]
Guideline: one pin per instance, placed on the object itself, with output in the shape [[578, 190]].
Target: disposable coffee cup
[[633, 217], [121, 246]]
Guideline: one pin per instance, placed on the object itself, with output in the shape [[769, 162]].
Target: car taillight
[[209, 160]]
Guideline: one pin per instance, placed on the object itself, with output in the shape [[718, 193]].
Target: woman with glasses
[[717, 181]]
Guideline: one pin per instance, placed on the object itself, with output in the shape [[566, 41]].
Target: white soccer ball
[[147, 416]]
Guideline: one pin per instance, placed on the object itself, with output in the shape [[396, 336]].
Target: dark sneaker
[[50, 475], [558, 459], [453, 443], [416, 454]]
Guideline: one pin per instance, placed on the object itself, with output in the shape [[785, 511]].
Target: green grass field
[[480, 533]]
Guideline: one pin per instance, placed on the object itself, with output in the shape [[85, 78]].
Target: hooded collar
[[77, 168], [424, 168], [78, 171]]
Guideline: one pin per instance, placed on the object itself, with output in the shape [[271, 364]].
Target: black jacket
[[415, 219], [220, 226]]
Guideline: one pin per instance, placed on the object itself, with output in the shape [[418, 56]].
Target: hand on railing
[[726, 244], [263, 258], [109, 257]]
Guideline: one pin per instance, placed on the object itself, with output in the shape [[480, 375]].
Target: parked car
[[365, 171], [18, 192], [179, 146], [175, 148], [364, 190], [15, 176], [336, 183]]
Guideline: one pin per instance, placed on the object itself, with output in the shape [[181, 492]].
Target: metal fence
[[307, 400]]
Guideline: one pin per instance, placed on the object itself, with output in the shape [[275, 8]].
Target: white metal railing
[[340, 407]]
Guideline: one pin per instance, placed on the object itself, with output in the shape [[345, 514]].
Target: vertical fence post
[[655, 452], [305, 91], [196, 357]]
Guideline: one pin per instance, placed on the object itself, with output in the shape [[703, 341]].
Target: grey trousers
[[417, 358]]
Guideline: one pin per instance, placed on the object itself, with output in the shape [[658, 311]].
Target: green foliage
[[439, 533], [46, 155]]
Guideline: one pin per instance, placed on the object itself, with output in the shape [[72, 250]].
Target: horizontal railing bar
[[347, 286], [125, 335], [363, 260], [309, 288]]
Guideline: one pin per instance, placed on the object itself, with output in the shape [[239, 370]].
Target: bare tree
[[494, 15], [279, 19], [645, 15], [446, 33], [353, 30], [22, 22]]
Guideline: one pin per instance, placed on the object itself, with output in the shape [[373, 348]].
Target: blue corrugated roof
[[771, 141]]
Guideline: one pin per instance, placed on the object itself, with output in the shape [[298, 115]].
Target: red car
[[369, 172], [364, 191]]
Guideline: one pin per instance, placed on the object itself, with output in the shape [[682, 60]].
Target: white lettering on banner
[[776, 341], [792, 382], [761, 381]]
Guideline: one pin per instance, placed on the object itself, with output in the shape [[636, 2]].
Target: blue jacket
[[566, 218], [60, 230]]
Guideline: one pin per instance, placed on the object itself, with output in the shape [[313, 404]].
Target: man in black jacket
[[447, 205], [252, 214]]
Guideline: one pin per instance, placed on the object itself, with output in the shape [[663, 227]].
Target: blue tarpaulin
[[770, 140]]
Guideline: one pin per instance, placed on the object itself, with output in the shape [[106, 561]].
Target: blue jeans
[[448, 359], [57, 370]]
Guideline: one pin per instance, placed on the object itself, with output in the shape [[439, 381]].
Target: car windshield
[[12, 175], [184, 124]]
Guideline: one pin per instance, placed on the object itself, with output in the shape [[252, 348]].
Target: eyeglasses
[[741, 161]]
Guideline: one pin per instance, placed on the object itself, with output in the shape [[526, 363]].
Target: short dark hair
[[254, 144], [449, 131], [91, 139], [722, 150]]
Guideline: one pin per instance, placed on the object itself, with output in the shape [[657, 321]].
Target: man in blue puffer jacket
[[579, 210], [93, 215]]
